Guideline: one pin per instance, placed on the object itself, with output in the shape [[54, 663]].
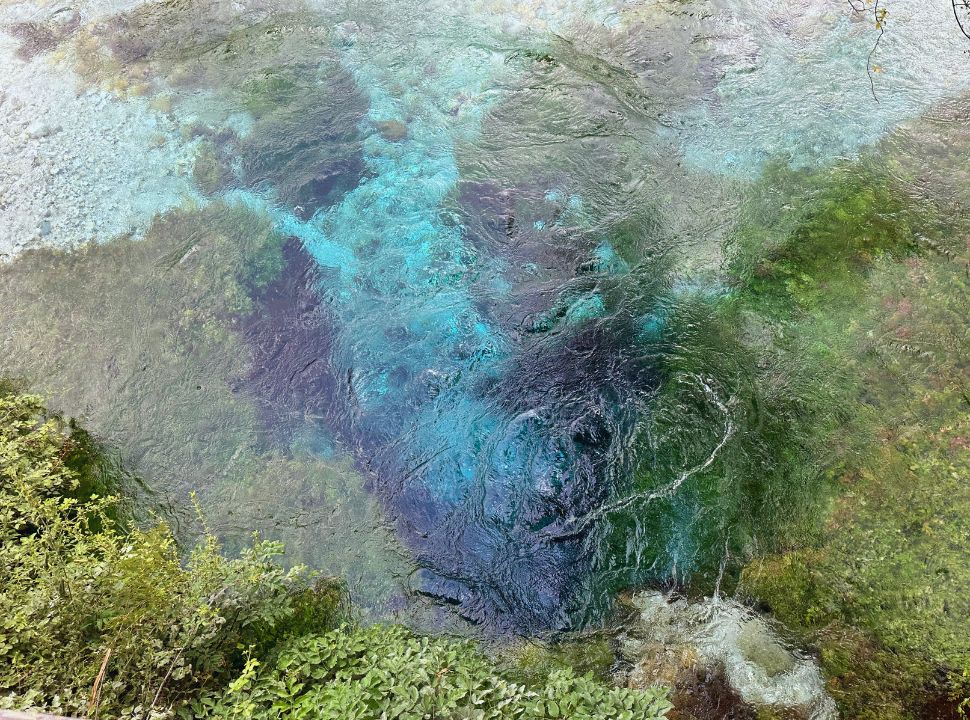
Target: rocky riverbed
[[77, 163]]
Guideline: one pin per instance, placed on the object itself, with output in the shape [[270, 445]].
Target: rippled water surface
[[430, 292]]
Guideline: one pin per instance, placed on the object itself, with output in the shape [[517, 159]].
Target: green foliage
[[77, 590], [388, 672]]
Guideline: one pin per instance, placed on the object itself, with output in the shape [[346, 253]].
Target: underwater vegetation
[[869, 281], [308, 148], [270, 105]]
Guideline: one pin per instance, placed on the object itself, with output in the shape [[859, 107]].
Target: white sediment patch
[[78, 164]]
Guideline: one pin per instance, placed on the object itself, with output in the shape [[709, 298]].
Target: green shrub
[[97, 618], [388, 672], [92, 614]]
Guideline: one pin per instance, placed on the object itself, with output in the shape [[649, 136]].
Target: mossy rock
[[208, 171]]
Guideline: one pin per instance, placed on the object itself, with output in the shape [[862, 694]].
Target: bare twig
[[966, 6], [95, 699]]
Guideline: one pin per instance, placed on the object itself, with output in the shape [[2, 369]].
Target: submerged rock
[[392, 130], [37, 37], [692, 644]]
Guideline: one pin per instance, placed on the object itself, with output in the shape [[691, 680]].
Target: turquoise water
[[441, 400], [502, 206]]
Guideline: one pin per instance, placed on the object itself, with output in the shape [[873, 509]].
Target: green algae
[[759, 648], [837, 354], [850, 280], [189, 46], [835, 224], [728, 465], [208, 171], [890, 572], [530, 661], [308, 149]]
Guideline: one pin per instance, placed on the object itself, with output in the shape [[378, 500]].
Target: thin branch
[[966, 6], [880, 17]]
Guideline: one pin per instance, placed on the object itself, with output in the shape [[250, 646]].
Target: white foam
[[727, 634]]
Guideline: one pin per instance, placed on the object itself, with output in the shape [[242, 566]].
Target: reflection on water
[[457, 258]]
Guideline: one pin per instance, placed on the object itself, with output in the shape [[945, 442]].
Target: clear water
[[493, 207]]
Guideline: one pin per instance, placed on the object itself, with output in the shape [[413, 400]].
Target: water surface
[[439, 268]]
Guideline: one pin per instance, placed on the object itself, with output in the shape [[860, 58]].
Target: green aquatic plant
[[728, 460], [270, 90], [807, 239], [279, 110], [807, 443], [531, 661], [889, 575], [305, 142], [161, 46], [162, 309], [208, 171], [850, 279]]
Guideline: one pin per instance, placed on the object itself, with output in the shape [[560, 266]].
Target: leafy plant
[[96, 617], [102, 618], [388, 672]]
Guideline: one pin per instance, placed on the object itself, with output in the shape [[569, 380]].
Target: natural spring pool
[[446, 295]]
